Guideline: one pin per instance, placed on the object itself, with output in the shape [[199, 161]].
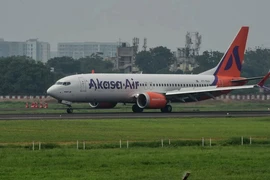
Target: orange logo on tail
[[231, 63], [236, 60]]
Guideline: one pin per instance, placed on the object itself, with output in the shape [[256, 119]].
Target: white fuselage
[[122, 87]]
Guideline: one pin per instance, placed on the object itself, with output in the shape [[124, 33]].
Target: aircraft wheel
[[69, 110], [166, 109], [136, 109]]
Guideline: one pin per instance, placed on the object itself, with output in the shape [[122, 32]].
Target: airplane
[[157, 91]]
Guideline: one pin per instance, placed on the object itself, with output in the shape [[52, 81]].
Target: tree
[[257, 62], [22, 75], [64, 65], [144, 62], [96, 63], [154, 60], [207, 61]]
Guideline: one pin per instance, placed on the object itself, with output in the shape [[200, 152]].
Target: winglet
[[261, 83]]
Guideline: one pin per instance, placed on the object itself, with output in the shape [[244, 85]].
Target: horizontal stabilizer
[[247, 79]]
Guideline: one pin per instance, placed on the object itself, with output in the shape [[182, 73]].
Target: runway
[[127, 115]]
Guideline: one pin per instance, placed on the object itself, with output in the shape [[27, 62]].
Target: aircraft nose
[[51, 91]]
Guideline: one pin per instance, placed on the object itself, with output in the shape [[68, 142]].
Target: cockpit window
[[63, 83], [59, 83], [66, 83]]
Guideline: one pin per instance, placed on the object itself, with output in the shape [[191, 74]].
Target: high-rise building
[[44, 51], [37, 50], [16, 48], [78, 50], [4, 49], [32, 48]]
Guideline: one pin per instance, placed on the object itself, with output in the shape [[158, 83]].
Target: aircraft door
[[82, 84]]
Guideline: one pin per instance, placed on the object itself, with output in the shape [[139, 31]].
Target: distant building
[[44, 53], [37, 50], [78, 50], [4, 49], [183, 62], [32, 48], [11, 48], [17, 48], [125, 60]]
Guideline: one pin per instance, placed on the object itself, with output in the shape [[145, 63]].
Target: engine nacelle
[[151, 100], [102, 105]]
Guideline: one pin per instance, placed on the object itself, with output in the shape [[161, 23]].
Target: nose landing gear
[[68, 103], [69, 110]]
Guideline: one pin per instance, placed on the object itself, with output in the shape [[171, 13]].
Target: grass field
[[144, 159], [210, 105], [223, 163], [132, 129]]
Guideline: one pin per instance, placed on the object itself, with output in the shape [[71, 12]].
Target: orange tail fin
[[231, 63]]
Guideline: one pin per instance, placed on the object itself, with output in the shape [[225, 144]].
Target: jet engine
[[102, 105], [151, 100]]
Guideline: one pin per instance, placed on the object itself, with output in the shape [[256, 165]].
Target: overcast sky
[[162, 22]]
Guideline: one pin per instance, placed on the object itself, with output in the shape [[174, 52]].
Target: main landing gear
[[166, 109], [137, 109]]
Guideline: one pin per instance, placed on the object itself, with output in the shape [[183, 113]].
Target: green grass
[[104, 130], [145, 158], [221, 163], [8, 107]]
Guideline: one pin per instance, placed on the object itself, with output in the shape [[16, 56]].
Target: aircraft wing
[[206, 90], [199, 93], [195, 93]]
